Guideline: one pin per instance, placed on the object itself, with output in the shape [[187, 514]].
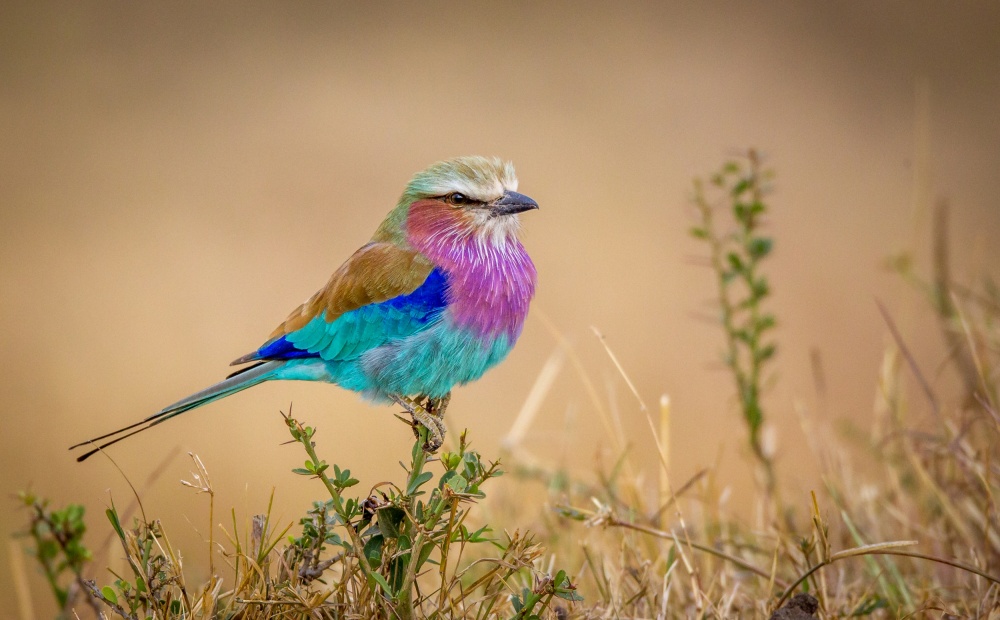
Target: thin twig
[[614, 521], [869, 550]]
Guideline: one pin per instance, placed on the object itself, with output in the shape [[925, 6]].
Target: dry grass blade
[[910, 360], [642, 404], [871, 549], [19, 572], [533, 402]]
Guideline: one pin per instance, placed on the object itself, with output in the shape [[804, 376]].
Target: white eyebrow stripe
[[472, 190]]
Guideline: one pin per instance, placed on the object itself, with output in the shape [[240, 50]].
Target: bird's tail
[[236, 382]]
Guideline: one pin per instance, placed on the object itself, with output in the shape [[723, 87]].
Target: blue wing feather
[[364, 328]]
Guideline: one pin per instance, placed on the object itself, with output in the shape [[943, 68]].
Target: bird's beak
[[511, 203]]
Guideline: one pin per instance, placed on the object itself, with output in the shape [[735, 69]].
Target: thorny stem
[[338, 503], [443, 595], [404, 597], [435, 508]]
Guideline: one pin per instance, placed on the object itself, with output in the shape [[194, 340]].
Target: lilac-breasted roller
[[435, 299]]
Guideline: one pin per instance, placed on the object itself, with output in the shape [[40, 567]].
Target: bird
[[437, 297]]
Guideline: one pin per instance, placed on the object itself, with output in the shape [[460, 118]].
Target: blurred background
[[175, 178]]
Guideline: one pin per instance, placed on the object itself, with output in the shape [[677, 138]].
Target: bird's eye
[[458, 199]]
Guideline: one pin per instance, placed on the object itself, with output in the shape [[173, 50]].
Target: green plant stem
[[404, 596], [95, 592], [51, 575], [747, 376], [51, 571], [338, 503], [445, 546]]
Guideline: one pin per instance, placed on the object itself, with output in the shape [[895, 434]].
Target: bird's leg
[[435, 428], [437, 406]]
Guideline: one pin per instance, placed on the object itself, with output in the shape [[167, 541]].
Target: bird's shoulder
[[377, 272]]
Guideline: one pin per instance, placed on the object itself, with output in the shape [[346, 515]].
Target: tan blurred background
[[174, 178]]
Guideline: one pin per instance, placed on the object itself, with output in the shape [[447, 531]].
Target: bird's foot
[[437, 406], [433, 424]]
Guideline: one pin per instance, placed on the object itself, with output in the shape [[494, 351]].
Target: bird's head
[[465, 196]]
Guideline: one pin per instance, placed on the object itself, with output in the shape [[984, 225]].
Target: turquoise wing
[[369, 326]]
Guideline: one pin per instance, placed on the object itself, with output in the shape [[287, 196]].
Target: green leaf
[[74, 513], [389, 520], [565, 588], [115, 523], [572, 513], [742, 335], [47, 549], [735, 262], [740, 211], [698, 233], [351, 508], [764, 323], [425, 553], [472, 465], [380, 580], [404, 543], [477, 536], [760, 288], [373, 550], [397, 567], [109, 593], [418, 482], [448, 475], [458, 483], [765, 353], [302, 472], [759, 247], [568, 595]]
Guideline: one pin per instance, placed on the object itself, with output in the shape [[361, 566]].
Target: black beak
[[512, 202]]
